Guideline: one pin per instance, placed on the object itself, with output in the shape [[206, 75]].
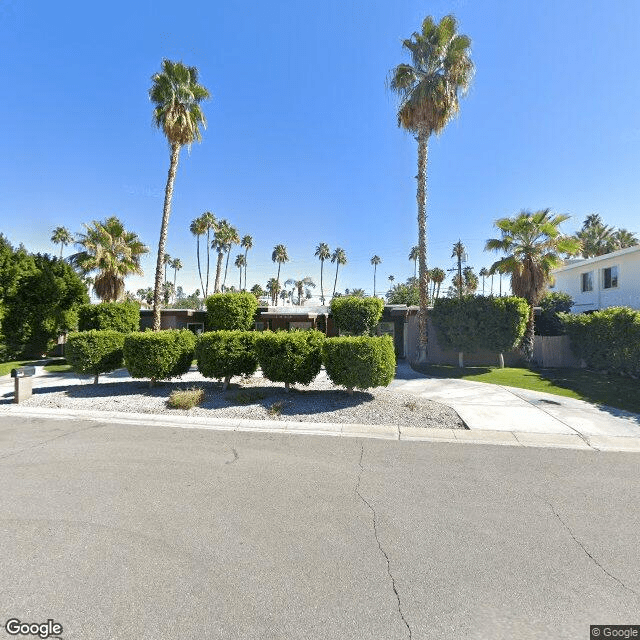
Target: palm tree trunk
[[278, 282], [335, 282], [206, 290], [168, 193], [216, 287], [421, 197], [240, 285], [245, 267], [374, 280], [321, 285], [61, 248], [199, 270], [226, 267], [529, 336], [415, 268]]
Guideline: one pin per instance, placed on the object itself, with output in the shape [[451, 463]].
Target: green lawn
[[57, 367], [611, 390], [53, 365]]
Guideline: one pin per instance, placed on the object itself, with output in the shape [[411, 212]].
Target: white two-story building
[[611, 280]]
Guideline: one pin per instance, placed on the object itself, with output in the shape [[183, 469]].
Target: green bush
[[95, 351], [117, 316], [456, 323], [549, 323], [290, 357], [359, 362], [159, 355], [231, 311], [606, 340], [223, 354], [358, 316]]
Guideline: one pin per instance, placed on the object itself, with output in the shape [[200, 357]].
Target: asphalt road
[[121, 532]]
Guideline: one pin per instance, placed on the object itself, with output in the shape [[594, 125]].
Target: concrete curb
[[384, 432]]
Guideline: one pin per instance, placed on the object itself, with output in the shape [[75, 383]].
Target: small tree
[[357, 316], [95, 352], [223, 354], [231, 311]]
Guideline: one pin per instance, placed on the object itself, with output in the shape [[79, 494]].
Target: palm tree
[[391, 279], [233, 237], [484, 272], [176, 265], [240, 262], [624, 239], [246, 244], [322, 253], [61, 236], [300, 286], [166, 261], [280, 256], [108, 248], [221, 243], [273, 288], [198, 227], [429, 90], [375, 261], [596, 237], [357, 293], [533, 244], [459, 252], [339, 256], [438, 275], [176, 96], [146, 296], [211, 224], [414, 254]]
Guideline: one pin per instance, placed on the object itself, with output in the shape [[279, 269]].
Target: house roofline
[[596, 259]]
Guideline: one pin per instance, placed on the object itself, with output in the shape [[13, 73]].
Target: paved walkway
[[493, 414]]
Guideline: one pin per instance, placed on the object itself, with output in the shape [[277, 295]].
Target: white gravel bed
[[254, 398]]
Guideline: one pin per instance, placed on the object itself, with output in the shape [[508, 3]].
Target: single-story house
[[611, 280]]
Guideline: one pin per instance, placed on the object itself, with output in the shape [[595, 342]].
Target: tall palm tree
[[414, 254], [273, 288], [429, 90], [533, 244], [322, 253], [438, 275], [176, 265], [113, 252], [246, 244], [623, 239], [339, 256], [241, 262], [221, 243], [300, 285], [146, 296], [166, 261], [459, 252], [61, 236], [211, 224], [198, 227], [484, 272], [280, 256], [233, 237], [375, 261], [176, 96]]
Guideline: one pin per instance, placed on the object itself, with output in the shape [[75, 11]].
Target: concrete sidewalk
[[492, 413]]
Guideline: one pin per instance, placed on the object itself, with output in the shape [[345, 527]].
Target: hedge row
[[606, 340], [296, 357], [116, 316]]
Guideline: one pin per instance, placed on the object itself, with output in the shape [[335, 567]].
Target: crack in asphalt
[[568, 528], [375, 532], [235, 456]]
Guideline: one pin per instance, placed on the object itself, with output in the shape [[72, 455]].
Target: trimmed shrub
[[159, 355], [358, 316], [606, 340], [290, 357], [456, 324], [223, 354], [231, 311], [359, 362], [95, 352], [116, 316], [549, 323]]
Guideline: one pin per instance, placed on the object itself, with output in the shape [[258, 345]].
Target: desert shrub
[[223, 354], [356, 316], [290, 357], [359, 362], [159, 355], [231, 311], [606, 340], [185, 398], [549, 323], [117, 316], [95, 351]]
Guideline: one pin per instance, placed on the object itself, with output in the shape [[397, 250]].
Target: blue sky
[[302, 144]]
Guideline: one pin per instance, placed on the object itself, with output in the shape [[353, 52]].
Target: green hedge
[[358, 316], [231, 311], [549, 323], [159, 355], [359, 362], [94, 351], [606, 340], [116, 316], [290, 357], [223, 354], [478, 322]]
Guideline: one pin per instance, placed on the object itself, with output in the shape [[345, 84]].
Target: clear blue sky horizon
[[302, 144]]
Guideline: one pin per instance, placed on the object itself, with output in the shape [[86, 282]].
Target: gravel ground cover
[[253, 398]]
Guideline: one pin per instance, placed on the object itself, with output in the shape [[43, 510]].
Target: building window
[[610, 278], [587, 281]]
